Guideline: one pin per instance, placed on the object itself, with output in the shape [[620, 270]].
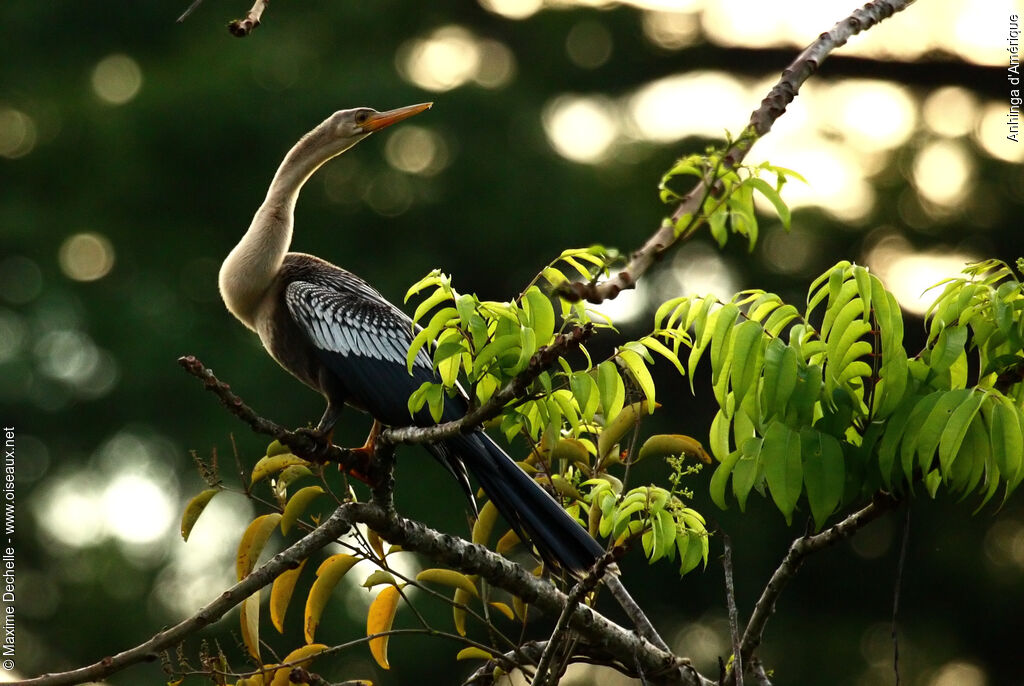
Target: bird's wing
[[364, 340]]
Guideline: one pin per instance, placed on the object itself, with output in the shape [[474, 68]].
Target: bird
[[339, 336]]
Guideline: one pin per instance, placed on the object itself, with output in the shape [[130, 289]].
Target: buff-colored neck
[[250, 269]]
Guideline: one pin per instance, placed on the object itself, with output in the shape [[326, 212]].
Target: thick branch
[[600, 633], [800, 549], [330, 530], [761, 120]]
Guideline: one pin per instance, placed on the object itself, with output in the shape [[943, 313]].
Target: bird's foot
[[362, 457]]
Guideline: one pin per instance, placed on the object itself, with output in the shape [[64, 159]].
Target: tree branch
[[240, 28], [798, 551], [336, 525], [730, 602], [516, 388], [761, 120]]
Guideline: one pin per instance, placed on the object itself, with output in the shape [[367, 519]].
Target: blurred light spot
[[993, 129], [671, 30], [445, 60], [700, 270], [416, 150], [204, 564], [950, 111], [20, 280], [512, 9], [103, 378], [1004, 543], [789, 252], [876, 642], [137, 509], [692, 104], [958, 673], [581, 129], [835, 179], [70, 511], [589, 44], [627, 307], [744, 22], [872, 115], [17, 133], [910, 275], [942, 172], [389, 194], [13, 334], [497, 64], [972, 29], [86, 256], [33, 459], [117, 79], [344, 179], [704, 641], [67, 355]]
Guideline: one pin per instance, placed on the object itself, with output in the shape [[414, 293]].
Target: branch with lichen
[[761, 120], [239, 28]]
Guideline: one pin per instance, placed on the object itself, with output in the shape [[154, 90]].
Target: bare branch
[[761, 120], [240, 28], [800, 549], [191, 8], [730, 601], [336, 525]]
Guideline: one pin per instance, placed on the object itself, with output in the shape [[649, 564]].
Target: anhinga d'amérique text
[[339, 336]]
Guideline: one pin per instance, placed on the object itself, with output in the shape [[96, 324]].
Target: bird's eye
[[361, 117]]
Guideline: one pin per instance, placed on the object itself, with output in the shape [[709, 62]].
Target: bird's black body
[[343, 338]]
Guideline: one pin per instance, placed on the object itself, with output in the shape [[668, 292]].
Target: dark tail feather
[[527, 507]]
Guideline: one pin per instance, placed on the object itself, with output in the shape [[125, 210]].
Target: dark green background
[[172, 179]]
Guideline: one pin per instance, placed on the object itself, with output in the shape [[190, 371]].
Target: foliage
[[828, 405]]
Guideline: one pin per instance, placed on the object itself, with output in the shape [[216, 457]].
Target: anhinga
[[339, 336]]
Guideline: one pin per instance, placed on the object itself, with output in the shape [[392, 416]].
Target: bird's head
[[345, 128]]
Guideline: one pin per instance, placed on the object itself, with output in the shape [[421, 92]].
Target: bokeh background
[[133, 151]]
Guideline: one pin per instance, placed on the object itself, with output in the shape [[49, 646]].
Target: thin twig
[[730, 600], [761, 120], [896, 597], [798, 551], [191, 8], [240, 28], [584, 586]]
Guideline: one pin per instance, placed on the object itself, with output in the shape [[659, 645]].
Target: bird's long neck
[[250, 269]]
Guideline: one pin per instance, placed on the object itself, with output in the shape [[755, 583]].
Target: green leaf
[[746, 471], [720, 479], [638, 370], [746, 355], [772, 195], [611, 389], [783, 469], [956, 428], [435, 298], [780, 377], [657, 346], [912, 429], [930, 432], [824, 473], [949, 346], [541, 314]]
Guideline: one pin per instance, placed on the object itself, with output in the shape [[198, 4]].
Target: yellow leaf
[[484, 523], [571, 450], [250, 621], [667, 445], [281, 595], [378, 620], [195, 508], [507, 542], [375, 542], [297, 505], [473, 653], [327, 577], [273, 464], [503, 609], [379, 577], [253, 540], [461, 599], [614, 432], [520, 607], [300, 657], [290, 474], [449, 577], [277, 448]]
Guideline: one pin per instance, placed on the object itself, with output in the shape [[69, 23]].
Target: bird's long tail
[[527, 507]]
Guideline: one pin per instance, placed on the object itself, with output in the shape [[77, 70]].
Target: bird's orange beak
[[382, 119]]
